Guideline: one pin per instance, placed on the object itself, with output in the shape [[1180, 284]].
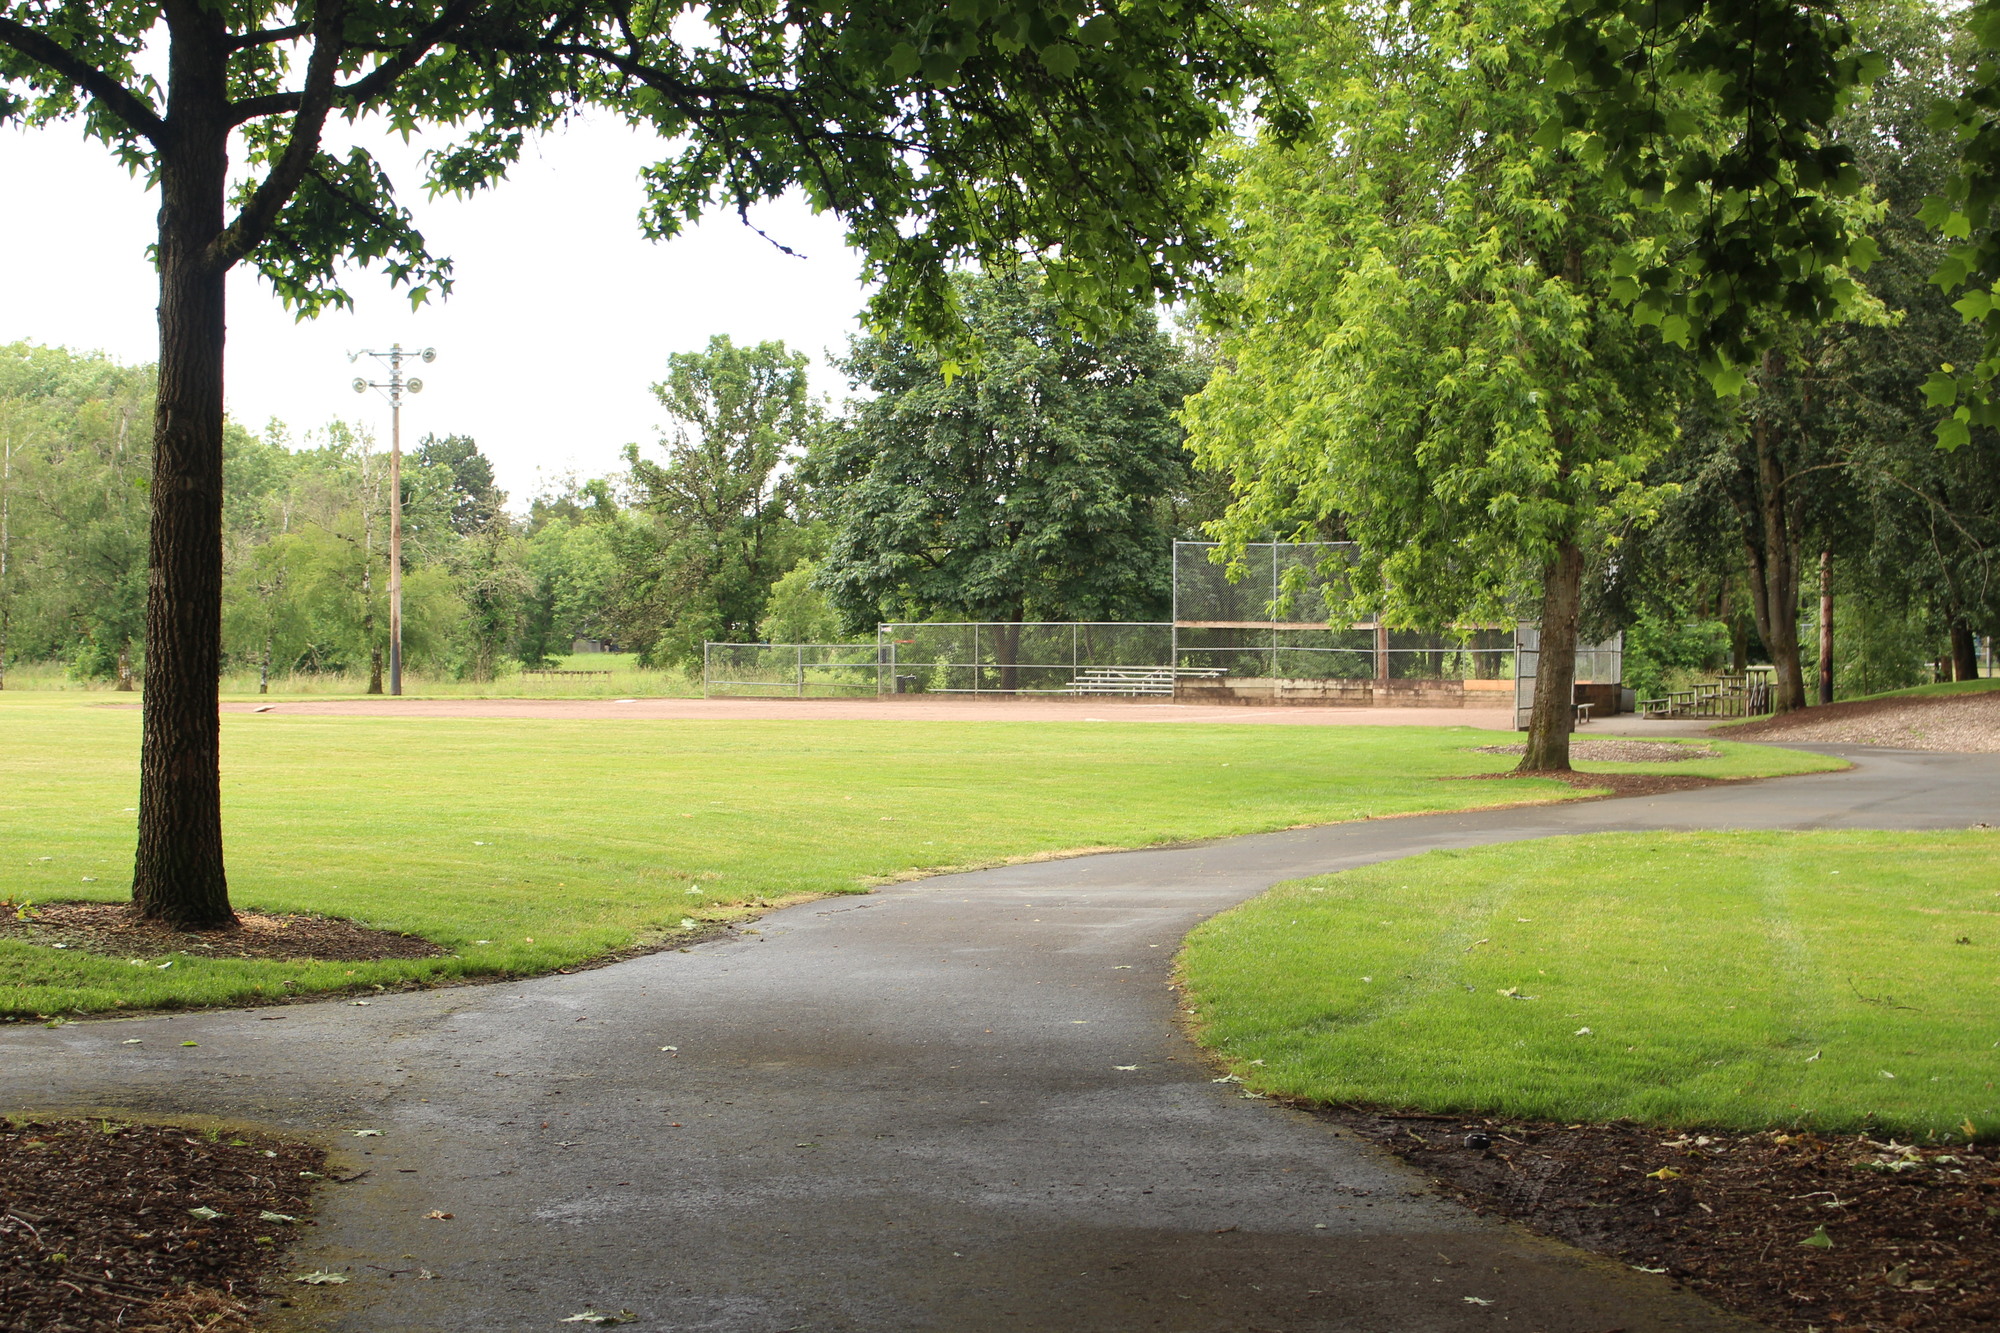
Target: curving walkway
[[909, 1111]]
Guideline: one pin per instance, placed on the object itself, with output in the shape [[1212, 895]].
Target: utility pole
[[394, 389]]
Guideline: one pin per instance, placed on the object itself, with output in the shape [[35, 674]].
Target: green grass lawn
[[1734, 980], [525, 845], [625, 677]]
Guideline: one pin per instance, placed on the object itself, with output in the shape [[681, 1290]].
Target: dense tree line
[[1045, 481]]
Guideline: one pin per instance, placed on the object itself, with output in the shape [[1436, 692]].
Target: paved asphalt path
[[899, 1112]]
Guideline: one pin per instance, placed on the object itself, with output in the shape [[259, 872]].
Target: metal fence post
[[802, 670]]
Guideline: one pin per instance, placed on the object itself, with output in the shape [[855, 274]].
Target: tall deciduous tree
[[722, 516], [1034, 486], [1759, 185], [1424, 347], [935, 132]]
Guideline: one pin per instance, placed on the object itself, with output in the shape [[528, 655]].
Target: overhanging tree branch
[[254, 222], [377, 81], [114, 96]]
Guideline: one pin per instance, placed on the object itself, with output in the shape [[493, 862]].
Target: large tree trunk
[[177, 874], [1007, 653], [1771, 553], [1964, 652], [1826, 627], [1554, 714]]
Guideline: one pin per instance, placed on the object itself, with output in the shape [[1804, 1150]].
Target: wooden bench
[[1582, 714]]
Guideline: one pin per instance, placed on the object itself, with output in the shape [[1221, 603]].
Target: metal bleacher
[[1157, 681]]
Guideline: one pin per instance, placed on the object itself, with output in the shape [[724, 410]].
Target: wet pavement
[[960, 1103]]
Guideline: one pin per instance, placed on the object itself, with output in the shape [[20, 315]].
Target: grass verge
[[1830, 981], [527, 845]]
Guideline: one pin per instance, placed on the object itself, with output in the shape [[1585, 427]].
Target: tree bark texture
[[1826, 627], [1964, 652], [1553, 716], [1772, 555], [177, 874], [1007, 654]]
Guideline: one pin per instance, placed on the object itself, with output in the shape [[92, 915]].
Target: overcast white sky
[[561, 318]]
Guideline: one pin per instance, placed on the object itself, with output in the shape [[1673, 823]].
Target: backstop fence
[[1274, 621]]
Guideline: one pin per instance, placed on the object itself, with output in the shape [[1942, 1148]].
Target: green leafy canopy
[[972, 129]]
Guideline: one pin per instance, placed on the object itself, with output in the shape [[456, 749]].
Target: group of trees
[[1047, 482], [1440, 346]]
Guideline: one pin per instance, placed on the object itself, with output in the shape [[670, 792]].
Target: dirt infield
[[917, 708]]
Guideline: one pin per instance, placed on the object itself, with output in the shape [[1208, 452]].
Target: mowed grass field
[[526, 845], [1833, 981], [612, 676]]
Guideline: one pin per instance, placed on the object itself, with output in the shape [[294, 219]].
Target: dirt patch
[[1798, 1230], [1620, 784], [143, 1228], [1954, 723], [112, 929], [1594, 751]]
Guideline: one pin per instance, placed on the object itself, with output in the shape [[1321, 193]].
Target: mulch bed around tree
[[1798, 1230], [1621, 784], [143, 1228], [112, 929], [1611, 750]]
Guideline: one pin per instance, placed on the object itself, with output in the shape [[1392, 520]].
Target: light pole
[[394, 389]]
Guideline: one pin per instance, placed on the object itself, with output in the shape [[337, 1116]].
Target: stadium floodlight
[[393, 389]]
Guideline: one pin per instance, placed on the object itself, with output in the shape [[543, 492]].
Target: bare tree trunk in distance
[[125, 667], [1554, 714], [1964, 652], [1771, 552], [1007, 653], [177, 872], [1826, 627]]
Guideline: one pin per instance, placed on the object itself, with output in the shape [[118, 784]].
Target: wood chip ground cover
[[1801, 1231], [143, 1228], [1959, 723], [1612, 750], [112, 929]]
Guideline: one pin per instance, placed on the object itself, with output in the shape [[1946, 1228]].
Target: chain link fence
[[1027, 657], [791, 670], [1274, 621]]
